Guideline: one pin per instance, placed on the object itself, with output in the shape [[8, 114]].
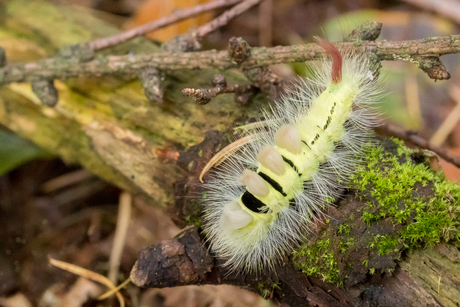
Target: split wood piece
[[369, 277]]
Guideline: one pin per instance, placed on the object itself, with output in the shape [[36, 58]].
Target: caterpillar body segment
[[264, 198]]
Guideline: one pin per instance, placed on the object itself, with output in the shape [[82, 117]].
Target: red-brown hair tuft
[[336, 58]]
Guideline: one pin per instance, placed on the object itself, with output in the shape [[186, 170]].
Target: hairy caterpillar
[[264, 198]]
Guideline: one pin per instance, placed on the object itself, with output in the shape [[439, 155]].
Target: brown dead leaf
[[208, 295], [152, 10], [451, 171], [17, 300]]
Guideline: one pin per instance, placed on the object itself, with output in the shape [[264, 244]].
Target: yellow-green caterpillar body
[[264, 198]]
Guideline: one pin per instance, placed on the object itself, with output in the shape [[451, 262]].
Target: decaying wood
[[421, 277]]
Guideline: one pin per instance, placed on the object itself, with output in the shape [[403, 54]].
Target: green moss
[[344, 229], [193, 220], [409, 204], [369, 218], [345, 245], [385, 244], [409, 194], [318, 259], [267, 287]]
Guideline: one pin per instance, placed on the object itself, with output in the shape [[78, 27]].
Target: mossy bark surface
[[390, 240]]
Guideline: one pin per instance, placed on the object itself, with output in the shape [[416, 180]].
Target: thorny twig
[[177, 16], [191, 41]]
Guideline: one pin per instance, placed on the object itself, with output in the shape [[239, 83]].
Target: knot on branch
[[46, 92], [434, 68], [187, 42], [80, 53], [151, 80], [203, 96], [368, 31], [265, 79], [2, 57], [176, 262], [219, 81], [238, 49]]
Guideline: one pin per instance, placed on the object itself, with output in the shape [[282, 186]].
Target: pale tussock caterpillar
[[264, 197]]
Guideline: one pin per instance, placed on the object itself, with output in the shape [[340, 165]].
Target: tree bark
[[427, 277]]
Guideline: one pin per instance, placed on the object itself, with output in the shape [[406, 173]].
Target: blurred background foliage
[[63, 213]]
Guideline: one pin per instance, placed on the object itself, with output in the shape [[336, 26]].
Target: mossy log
[[390, 240], [108, 126]]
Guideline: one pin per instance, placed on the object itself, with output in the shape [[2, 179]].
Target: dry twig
[[223, 19], [124, 217], [203, 96], [414, 138], [58, 68], [87, 274], [177, 16]]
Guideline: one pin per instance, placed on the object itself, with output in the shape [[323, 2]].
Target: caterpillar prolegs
[[264, 198]]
